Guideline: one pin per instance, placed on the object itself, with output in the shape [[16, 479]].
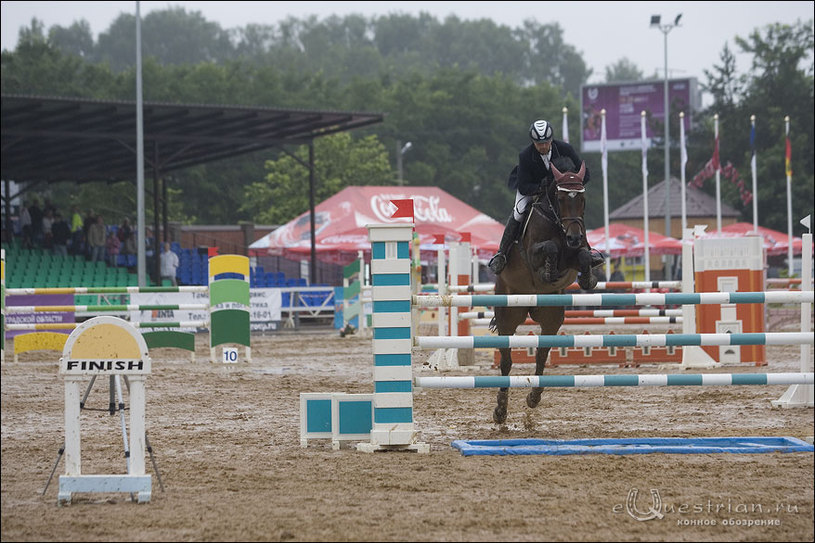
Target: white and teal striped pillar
[[392, 342], [393, 426]]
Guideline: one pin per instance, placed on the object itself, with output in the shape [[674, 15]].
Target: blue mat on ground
[[637, 445]]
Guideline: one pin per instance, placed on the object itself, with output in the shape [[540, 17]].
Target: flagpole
[[141, 263], [682, 162], [753, 167], [718, 174], [604, 162], [565, 124], [788, 171], [645, 214]]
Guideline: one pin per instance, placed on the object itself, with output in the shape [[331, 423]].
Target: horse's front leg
[[550, 320], [534, 396], [544, 259], [499, 415], [507, 320], [587, 280]]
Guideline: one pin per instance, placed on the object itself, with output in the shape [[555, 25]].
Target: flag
[[715, 159], [683, 151], [603, 148], [404, 208], [753, 147], [644, 147], [788, 155], [566, 124]]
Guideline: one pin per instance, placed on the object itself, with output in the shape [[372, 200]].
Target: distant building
[[700, 208]]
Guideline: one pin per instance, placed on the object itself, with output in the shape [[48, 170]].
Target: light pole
[[665, 29], [400, 151]]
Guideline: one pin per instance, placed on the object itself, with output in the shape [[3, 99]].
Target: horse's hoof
[[499, 416], [588, 283], [533, 398]]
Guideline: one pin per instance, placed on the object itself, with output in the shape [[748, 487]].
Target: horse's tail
[[493, 324]]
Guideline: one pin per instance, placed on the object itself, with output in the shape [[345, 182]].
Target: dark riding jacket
[[530, 175]]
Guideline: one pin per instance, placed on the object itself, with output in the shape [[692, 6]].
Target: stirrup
[[497, 263]]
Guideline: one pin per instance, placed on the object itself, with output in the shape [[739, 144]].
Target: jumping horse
[[552, 249]]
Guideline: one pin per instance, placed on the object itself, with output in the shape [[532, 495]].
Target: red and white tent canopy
[[340, 224], [775, 242], [629, 240]]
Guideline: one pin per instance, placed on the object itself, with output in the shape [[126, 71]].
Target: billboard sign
[[624, 103]]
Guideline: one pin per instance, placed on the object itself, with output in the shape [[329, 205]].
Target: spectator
[[96, 239], [113, 245], [47, 223], [599, 273], [128, 242], [60, 234], [90, 219], [47, 205], [169, 264], [25, 226], [617, 275], [36, 222], [77, 237]]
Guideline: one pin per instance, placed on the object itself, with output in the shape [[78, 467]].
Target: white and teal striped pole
[[647, 380], [393, 426]]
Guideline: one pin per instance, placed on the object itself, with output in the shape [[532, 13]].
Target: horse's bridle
[[562, 222]]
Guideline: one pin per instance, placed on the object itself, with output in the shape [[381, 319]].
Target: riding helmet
[[541, 131]]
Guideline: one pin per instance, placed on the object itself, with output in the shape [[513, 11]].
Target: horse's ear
[[556, 173], [582, 171]]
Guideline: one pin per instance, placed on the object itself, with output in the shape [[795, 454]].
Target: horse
[[552, 249]]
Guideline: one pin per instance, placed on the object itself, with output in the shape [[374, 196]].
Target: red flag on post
[[404, 208], [438, 239], [466, 237]]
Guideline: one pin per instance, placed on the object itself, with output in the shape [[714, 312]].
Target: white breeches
[[521, 203]]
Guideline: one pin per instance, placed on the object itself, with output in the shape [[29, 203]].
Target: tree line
[[463, 92]]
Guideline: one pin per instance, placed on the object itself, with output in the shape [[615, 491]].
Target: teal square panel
[[318, 415], [355, 417]]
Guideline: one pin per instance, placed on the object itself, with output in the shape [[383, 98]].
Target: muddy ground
[[226, 443]]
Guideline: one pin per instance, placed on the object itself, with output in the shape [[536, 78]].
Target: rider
[[532, 175]]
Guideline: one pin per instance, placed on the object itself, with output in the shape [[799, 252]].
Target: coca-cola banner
[[624, 104], [341, 223]]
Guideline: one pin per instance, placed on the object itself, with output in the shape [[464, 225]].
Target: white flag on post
[[683, 150], [645, 214], [753, 168], [603, 148], [644, 145], [565, 124], [605, 186]]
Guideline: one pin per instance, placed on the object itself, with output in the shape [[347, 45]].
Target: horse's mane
[[564, 164]]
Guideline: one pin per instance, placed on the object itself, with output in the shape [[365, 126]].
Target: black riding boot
[[498, 262]]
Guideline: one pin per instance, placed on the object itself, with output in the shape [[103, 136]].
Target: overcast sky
[[604, 32]]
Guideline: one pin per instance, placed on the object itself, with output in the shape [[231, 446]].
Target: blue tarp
[[644, 445]]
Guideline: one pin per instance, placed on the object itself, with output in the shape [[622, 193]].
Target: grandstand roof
[[54, 139]]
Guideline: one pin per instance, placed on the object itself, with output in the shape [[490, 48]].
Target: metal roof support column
[[313, 267]]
